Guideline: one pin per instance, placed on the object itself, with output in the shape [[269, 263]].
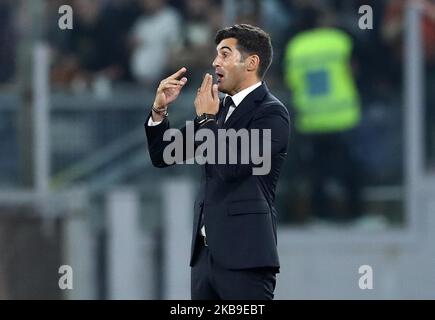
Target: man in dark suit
[[234, 242]]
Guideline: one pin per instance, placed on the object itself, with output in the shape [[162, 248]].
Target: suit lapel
[[247, 104]]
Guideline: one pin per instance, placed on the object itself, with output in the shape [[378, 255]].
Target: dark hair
[[250, 40]]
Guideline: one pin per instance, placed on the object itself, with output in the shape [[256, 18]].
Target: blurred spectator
[[248, 12], [7, 41], [154, 35], [370, 53], [97, 45], [202, 19], [326, 102], [393, 30], [276, 18], [123, 14]]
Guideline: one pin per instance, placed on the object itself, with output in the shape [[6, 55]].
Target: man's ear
[[253, 63]]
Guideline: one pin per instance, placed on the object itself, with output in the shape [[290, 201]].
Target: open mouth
[[220, 77]]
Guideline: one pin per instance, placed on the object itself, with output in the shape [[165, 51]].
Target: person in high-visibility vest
[[327, 106]]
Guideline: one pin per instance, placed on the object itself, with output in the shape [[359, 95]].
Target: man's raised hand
[[169, 89], [207, 97]]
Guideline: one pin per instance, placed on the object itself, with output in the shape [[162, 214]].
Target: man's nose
[[215, 63]]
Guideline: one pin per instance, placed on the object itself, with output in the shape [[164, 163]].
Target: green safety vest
[[317, 70]]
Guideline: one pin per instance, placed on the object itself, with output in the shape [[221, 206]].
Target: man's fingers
[[170, 86], [215, 92], [178, 73], [181, 82], [201, 88], [209, 83], [204, 82]]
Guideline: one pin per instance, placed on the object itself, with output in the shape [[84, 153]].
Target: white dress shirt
[[238, 98]]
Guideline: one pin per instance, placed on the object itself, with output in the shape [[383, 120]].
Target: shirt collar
[[238, 97]]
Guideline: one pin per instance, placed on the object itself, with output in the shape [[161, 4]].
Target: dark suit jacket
[[238, 209]]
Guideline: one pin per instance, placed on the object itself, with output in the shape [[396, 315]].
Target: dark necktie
[[228, 102]]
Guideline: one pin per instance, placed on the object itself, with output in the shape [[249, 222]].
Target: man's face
[[229, 67]]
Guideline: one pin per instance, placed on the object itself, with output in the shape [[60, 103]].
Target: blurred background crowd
[[345, 165]]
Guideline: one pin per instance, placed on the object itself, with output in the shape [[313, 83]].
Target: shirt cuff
[[152, 123]]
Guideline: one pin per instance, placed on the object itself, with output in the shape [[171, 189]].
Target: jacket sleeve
[[157, 144]]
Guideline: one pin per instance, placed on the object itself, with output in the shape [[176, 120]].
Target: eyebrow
[[225, 47]]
